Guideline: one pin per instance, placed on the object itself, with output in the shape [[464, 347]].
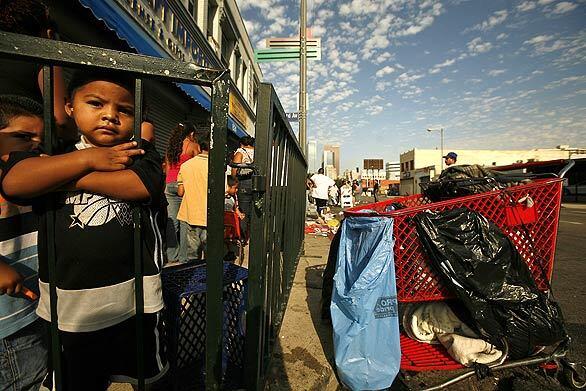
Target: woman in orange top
[[182, 147]]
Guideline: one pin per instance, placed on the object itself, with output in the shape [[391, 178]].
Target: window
[[212, 11], [412, 164], [192, 8], [236, 74], [243, 82]]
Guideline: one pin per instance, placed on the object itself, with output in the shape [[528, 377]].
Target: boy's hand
[[113, 158], [10, 280]]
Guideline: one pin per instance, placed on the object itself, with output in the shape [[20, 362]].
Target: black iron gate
[[279, 199], [276, 233]]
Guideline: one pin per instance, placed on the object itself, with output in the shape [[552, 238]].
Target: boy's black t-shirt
[[94, 236]]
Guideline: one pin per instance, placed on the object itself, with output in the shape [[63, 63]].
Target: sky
[[494, 74]]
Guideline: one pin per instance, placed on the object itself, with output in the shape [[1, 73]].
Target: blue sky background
[[495, 74]]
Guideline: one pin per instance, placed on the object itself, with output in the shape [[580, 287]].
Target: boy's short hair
[[203, 139], [12, 106], [232, 180], [82, 77]]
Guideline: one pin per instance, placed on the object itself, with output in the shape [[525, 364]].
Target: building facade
[[422, 165], [207, 33], [393, 171], [332, 154]]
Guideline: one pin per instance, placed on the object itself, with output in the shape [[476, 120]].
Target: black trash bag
[[482, 267], [464, 180]]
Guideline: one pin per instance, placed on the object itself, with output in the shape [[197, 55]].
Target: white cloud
[[563, 7], [445, 80], [545, 2], [539, 39], [496, 72], [374, 110], [494, 20], [476, 46], [501, 36], [526, 6], [385, 71]]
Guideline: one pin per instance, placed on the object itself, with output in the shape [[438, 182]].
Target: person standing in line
[[375, 190], [321, 190], [244, 155], [181, 148], [193, 213]]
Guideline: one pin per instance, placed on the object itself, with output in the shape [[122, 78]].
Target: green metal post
[[138, 264], [215, 232], [51, 256]]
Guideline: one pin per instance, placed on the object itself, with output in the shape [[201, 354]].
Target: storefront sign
[[237, 110], [160, 22], [292, 117]]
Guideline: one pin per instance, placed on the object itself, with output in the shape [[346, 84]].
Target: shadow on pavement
[[313, 283]]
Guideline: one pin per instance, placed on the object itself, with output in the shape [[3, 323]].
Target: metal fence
[[49, 52], [276, 233], [278, 188]]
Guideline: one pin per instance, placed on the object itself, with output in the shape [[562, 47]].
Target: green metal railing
[[50, 52], [278, 189], [277, 229]]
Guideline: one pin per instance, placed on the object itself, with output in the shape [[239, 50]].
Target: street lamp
[[441, 130]]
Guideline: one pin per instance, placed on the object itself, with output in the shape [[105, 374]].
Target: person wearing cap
[[451, 158]]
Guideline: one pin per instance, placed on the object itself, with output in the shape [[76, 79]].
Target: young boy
[[96, 183], [231, 205], [193, 187], [22, 347]]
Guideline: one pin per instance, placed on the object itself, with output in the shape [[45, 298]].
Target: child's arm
[[35, 176], [10, 280], [140, 181], [123, 185]]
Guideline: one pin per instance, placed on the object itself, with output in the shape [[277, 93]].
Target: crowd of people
[[90, 183]]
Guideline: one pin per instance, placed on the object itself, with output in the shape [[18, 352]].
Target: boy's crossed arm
[[99, 170]]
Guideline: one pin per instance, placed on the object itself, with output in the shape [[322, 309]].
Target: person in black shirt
[[95, 184]]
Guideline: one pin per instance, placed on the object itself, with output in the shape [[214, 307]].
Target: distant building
[[422, 165], [331, 156], [330, 171], [312, 156], [373, 164], [393, 171]]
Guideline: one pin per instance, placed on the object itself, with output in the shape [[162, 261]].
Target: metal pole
[[303, 77], [442, 145]]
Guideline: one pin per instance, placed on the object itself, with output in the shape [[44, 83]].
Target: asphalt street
[[569, 278]]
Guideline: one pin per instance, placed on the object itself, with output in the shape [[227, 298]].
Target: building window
[[212, 11], [192, 8], [243, 83], [412, 164]]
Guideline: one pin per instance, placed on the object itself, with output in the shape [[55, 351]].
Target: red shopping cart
[[528, 214]]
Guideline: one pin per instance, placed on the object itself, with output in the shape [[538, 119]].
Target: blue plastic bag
[[364, 305]]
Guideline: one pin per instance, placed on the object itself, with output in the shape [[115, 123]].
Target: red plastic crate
[[418, 356], [535, 241]]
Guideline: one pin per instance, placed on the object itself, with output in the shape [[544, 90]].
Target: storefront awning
[[117, 20]]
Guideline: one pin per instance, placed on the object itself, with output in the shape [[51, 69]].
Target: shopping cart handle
[[571, 163]]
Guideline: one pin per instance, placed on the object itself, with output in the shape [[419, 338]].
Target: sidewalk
[[572, 205], [303, 357]]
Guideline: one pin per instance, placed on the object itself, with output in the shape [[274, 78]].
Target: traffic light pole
[[303, 77]]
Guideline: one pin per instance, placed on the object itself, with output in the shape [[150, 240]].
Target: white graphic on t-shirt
[[95, 210]]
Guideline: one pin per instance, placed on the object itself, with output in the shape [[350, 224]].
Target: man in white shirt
[[320, 191]]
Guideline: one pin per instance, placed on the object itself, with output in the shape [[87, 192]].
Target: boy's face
[[103, 112], [23, 133], [232, 190]]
